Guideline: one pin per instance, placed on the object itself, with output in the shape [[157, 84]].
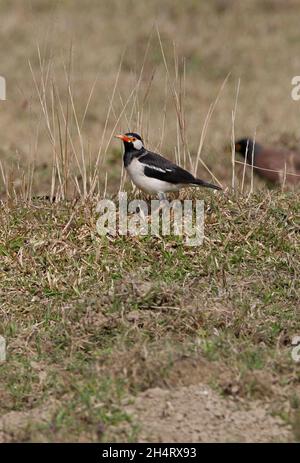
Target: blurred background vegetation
[[255, 41]]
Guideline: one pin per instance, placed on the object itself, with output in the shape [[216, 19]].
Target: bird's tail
[[200, 182]]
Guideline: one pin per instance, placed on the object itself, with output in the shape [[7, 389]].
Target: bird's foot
[[163, 201]]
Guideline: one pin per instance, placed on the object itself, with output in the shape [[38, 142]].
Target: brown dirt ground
[[16, 425], [198, 414], [194, 413]]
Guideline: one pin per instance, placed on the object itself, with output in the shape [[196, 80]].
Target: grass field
[[93, 324]]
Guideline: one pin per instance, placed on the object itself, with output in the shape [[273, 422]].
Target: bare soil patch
[[198, 414]]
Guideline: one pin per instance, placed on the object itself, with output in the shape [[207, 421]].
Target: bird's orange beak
[[123, 137]]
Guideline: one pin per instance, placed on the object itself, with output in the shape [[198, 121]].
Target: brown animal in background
[[273, 164]]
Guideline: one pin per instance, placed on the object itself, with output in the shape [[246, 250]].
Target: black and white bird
[[153, 173]]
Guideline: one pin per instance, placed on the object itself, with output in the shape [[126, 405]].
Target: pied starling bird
[[273, 164], [153, 173]]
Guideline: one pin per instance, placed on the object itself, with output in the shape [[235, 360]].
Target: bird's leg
[[162, 196], [163, 201]]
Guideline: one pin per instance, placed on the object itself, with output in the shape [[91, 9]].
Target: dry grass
[[85, 327], [200, 49]]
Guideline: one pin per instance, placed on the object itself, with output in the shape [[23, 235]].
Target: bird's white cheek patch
[[138, 144]]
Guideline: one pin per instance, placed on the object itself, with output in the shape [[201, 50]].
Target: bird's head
[[245, 147], [132, 141]]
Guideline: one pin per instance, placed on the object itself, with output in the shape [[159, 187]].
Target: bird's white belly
[[148, 184]]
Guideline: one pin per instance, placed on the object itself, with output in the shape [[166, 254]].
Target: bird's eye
[[133, 139]]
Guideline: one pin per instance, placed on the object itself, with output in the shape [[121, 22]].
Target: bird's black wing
[[156, 166]]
